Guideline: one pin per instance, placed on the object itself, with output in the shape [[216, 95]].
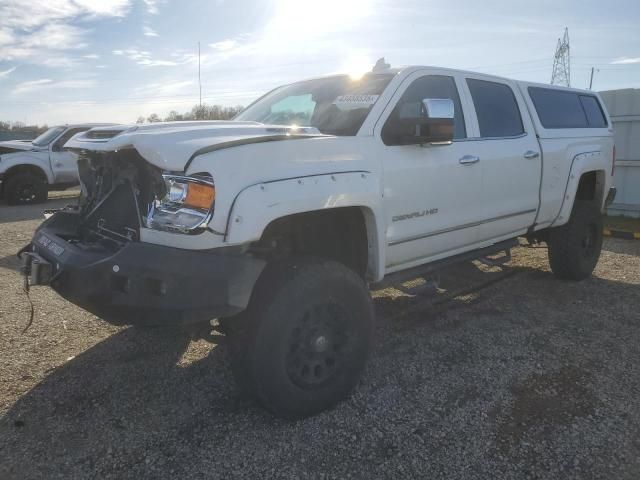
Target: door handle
[[469, 159], [530, 154]]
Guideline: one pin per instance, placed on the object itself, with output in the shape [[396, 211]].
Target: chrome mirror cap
[[438, 108]]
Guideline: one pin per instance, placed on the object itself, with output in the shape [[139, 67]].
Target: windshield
[[48, 136], [334, 105]]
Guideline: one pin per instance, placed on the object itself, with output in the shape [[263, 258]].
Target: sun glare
[[357, 66], [292, 17]]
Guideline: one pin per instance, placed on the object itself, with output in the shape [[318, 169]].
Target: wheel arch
[[257, 208], [587, 181], [28, 167]]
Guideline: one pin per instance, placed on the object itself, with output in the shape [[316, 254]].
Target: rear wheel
[[574, 248], [25, 188], [303, 342]]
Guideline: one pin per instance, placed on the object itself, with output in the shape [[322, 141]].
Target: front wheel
[[574, 248], [305, 338], [25, 188]]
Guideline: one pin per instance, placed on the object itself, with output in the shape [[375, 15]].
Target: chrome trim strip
[[460, 227], [477, 139]]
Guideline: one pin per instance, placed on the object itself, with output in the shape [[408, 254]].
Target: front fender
[[35, 159], [258, 205]]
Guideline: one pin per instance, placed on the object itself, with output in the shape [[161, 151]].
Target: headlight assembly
[[187, 205]]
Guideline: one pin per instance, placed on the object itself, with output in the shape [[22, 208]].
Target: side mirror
[[429, 121]]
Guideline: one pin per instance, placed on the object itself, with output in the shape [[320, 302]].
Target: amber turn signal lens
[[200, 196]]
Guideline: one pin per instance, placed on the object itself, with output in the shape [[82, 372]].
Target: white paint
[[440, 207]]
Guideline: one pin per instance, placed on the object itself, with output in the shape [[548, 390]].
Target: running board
[[402, 276], [496, 262]]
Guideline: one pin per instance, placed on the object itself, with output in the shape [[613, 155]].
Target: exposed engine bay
[[117, 190]]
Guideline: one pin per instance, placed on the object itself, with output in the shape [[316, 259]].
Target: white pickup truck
[[279, 222], [30, 168]]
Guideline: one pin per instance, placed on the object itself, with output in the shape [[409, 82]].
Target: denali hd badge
[[408, 216]]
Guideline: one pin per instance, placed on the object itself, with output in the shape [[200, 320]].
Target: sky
[[64, 61]]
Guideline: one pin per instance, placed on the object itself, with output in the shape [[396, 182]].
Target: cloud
[[223, 45], [6, 73], [149, 32], [47, 83], [56, 36], [14, 15], [40, 46], [143, 57], [152, 6], [6, 36], [626, 60], [92, 56], [45, 28], [164, 88]]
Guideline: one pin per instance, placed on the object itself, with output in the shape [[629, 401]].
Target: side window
[[496, 108], [430, 86], [595, 115], [558, 108], [65, 138]]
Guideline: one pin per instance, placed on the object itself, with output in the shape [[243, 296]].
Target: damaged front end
[[118, 190], [92, 253]]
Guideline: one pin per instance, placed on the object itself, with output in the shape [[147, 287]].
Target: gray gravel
[[529, 377]]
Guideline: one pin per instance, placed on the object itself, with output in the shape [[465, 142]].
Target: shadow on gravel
[[20, 213], [10, 262], [490, 378], [113, 405]]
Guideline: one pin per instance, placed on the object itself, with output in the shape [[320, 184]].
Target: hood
[[10, 146], [172, 145]]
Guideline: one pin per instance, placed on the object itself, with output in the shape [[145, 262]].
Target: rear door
[[505, 142]]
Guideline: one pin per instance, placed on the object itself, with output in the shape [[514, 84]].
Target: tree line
[[20, 127], [198, 112], [11, 130]]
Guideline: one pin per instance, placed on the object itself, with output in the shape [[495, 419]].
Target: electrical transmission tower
[[561, 74]]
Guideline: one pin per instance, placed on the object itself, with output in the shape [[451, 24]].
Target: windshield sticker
[[353, 102]]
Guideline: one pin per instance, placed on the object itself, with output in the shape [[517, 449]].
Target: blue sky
[[93, 60]]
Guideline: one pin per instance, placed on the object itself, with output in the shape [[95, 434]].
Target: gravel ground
[[528, 377]]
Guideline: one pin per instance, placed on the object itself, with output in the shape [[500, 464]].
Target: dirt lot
[[528, 377]]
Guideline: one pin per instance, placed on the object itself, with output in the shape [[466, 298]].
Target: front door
[[63, 162], [431, 192]]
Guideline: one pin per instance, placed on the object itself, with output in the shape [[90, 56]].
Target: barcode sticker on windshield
[[352, 102]]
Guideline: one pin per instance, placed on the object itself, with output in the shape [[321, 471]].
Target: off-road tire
[[574, 248], [302, 344], [25, 189]]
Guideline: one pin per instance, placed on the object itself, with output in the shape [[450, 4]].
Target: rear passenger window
[[496, 108], [595, 117], [563, 109]]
